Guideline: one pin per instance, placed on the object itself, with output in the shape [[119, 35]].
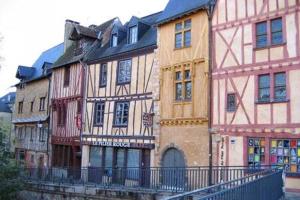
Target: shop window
[[286, 153], [256, 152], [133, 163], [96, 155], [108, 161]]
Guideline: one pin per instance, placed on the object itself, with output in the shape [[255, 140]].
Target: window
[[99, 113], [276, 31], [124, 72], [183, 85], [114, 40], [280, 87], [261, 34], [61, 114], [96, 155], [21, 132], [32, 158], [276, 34], [42, 134], [103, 75], [31, 134], [264, 87], [67, 76], [183, 34], [256, 151], [231, 103], [133, 34], [78, 106], [31, 106], [20, 107], [278, 93], [121, 113], [133, 163], [42, 103], [286, 152]]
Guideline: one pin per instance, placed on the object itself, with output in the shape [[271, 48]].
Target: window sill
[[293, 174], [178, 102], [120, 126], [231, 110], [102, 86], [98, 125], [272, 101], [180, 48], [269, 46], [125, 83]]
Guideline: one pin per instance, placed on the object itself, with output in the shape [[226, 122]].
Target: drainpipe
[[210, 54], [48, 114]]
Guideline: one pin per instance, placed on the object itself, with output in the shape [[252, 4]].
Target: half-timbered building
[[181, 96], [117, 130], [67, 91], [256, 83], [31, 113]]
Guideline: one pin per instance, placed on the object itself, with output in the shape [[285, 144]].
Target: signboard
[[119, 144], [148, 119]]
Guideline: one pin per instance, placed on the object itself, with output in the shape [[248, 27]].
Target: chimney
[[68, 28]]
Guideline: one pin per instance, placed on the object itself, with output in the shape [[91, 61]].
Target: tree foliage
[[10, 182]]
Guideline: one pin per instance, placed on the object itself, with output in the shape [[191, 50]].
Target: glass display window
[[256, 151]]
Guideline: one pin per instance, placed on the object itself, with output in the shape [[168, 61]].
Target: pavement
[[292, 196]]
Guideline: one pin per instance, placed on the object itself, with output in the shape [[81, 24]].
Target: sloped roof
[[36, 71], [177, 8], [70, 56], [8, 98], [146, 41], [4, 108]]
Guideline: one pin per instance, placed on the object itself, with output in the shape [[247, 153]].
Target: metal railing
[[158, 179], [263, 185]]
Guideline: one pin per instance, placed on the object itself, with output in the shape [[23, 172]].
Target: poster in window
[[293, 152], [293, 143], [280, 151], [294, 160]]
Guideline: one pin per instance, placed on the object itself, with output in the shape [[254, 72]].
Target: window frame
[[102, 113], [115, 114], [114, 36], [272, 88], [62, 115], [31, 106], [130, 38], [262, 88], [182, 31], [42, 104], [269, 33], [118, 72], [67, 73], [228, 108], [101, 76], [20, 107], [183, 82], [273, 32]]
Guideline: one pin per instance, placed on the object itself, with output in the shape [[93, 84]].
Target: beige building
[[181, 110], [31, 114]]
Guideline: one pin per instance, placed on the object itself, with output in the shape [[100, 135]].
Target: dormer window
[[114, 40], [133, 34]]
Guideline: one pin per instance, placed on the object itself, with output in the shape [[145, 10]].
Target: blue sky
[[30, 27]]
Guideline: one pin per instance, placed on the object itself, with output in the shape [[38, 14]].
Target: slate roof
[[48, 57], [6, 100], [4, 108], [148, 40], [177, 8], [70, 56]]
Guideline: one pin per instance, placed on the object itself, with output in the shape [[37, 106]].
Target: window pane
[[108, 160], [264, 81], [276, 25], [231, 102], [261, 34], [99, 113], [124, 73], [188, 24], [264, 94], [133, 35], [178, 40], [280, 93], [114, 40], [121, 113], [261, 28], [178, 26], [96, 156], [178, 76], [188, 90], [178, 91], [277, 38], [133, 163], [187, 74], [187, 38], [280, 79]]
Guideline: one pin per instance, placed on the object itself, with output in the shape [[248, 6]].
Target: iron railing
[[158, 179], [263, 185]]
